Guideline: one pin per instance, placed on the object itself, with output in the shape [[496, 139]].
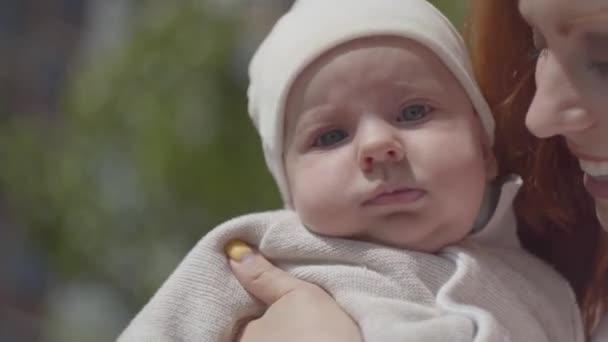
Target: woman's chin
[[601, 209]]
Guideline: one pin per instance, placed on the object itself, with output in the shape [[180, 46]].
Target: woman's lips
[[597, 187], [596, 176]]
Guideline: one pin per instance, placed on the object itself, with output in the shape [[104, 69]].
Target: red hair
[[556, 216]]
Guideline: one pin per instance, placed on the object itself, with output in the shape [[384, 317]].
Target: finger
[[258, 276]]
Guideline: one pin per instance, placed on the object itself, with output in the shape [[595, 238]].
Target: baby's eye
[[414, 112], [330, 138]]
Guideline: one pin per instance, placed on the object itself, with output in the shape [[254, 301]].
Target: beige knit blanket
[[485, 289]]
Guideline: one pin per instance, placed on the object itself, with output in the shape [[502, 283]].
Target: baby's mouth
[[394, 196]]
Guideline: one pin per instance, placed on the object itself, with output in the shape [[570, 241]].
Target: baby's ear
[[489, 157]]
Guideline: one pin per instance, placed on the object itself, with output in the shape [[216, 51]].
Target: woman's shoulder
[[601, 332]]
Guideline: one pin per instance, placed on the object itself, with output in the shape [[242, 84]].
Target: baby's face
[[383, 144]]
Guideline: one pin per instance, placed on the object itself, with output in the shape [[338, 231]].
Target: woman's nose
[[557, 108], [380, 145]]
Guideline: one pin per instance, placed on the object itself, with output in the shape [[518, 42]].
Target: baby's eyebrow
[[316, 114], [427, 85], [312, 117]]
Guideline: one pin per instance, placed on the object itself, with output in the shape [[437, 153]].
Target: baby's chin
[[430, 242]]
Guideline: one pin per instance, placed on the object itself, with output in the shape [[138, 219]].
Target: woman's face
[[572, 83]]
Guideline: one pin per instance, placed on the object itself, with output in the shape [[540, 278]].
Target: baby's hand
[[297, 310]]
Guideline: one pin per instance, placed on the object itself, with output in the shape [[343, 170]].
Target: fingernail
[[238, 251]]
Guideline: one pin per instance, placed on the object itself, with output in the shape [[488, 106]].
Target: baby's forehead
[[374, 43], [369, 71], [372, 59], [365, 52]]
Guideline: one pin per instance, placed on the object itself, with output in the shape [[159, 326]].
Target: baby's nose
[[381, 151]]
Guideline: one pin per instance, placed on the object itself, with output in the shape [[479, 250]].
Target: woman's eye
[[330, 138], [601, 68], [539, 45], [596, 45], [536, 53], [413, 113]]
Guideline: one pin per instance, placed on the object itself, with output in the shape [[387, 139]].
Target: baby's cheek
[[454, 169], [461, 178], [325, 213], [316, 212]]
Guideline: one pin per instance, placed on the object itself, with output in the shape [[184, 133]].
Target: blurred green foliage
[[154, 149], [455, 10]]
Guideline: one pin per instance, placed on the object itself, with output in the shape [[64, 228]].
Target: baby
[[380, 143]]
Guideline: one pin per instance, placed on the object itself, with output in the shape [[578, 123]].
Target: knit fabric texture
[[485, 289]]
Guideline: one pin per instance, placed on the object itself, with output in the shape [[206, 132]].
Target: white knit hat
[[312, 27]]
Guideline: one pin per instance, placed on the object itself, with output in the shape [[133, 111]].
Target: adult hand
[[297, 310]]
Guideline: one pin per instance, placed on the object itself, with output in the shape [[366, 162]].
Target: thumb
[[258, 276]]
